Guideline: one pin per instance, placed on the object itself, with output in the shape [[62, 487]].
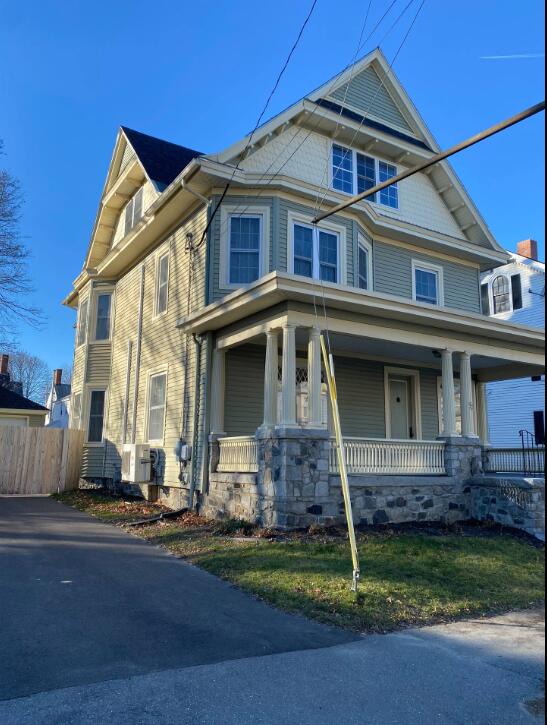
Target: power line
[[483, 135], [260, 117]]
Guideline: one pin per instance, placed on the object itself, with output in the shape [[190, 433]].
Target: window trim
[[161, 255], [373, 200], [417, 264], [81, 320], [156, 372], [239, 210], [363, 242], [306, 221], [89, 391], [131, 202]]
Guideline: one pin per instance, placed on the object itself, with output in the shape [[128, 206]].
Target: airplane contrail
[[518, 56]]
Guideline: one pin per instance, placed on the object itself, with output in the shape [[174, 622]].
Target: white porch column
[[288, 377], [314, 379], [482, 414], [466, 392], [218, 380], [449, 396], [271, 379]]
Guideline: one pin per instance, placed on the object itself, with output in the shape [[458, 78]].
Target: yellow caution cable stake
[[341, 455]]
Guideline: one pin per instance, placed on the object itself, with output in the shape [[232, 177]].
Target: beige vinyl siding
[[127, 158], [393, 275], [163, 348], [98, 363], [366, 93], [244, 399]]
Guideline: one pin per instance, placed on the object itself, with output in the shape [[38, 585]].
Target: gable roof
[[162, 160], [62, 390], [14, 401]]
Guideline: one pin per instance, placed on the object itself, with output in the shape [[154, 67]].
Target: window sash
[[314, 253], [133, 210], [157, 397], [353, 173], [82, 322], [501, 294], [163, 284], [363, 261], [425, 292], [244, 248], [102, 323], [96, 416]]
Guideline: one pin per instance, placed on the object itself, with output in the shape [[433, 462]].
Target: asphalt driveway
[[97, 625], [82, 602]]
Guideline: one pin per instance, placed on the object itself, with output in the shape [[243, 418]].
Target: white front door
[[399, 409]]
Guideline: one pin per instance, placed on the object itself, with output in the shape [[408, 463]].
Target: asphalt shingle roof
[[14, 401], [162, 160]]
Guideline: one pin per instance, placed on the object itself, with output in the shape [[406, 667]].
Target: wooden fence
[[39, 460]]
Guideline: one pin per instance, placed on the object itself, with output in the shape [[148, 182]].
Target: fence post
[[64, 459]]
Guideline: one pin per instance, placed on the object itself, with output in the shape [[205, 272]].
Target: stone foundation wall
[[515, 502], [232, 496]]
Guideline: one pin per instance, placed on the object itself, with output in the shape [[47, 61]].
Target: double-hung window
[[133, 210], [102, 323], [316, 253], [354, 173], [501, 294], [82, 323], [157, 393], [162, 283], [96, 416], [428, 283], [364, 265], [244, 254]]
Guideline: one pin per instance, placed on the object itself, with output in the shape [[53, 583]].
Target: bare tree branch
[[33, 373]]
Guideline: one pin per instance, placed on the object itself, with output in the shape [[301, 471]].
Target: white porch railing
[[515, 460], [391, 457], [238, 455]]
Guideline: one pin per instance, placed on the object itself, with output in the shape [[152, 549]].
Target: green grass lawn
[[406, 578]]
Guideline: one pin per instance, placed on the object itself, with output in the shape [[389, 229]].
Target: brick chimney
[[528, 248], [4, 361], [57, 376]]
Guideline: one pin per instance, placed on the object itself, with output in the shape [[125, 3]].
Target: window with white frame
[[364, 264], [316, 252], [354, 173], [428, 286], [501, 294], [157, 393], [133, 210], [245, 243], [102, 316], [76, 411], [162, 283], [96, 416], [82, 322]]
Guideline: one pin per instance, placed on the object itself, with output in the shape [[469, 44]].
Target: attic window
[[133, 210], [353, 173]]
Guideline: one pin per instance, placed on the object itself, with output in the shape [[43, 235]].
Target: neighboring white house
[[516, 293], [58, 402]]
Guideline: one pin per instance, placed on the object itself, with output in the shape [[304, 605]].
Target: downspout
[[206, 406], [195, 432], [137, 361], [127, 386]]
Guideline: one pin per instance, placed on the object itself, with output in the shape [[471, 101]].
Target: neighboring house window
[[389, 196], [354, 173], [428, 283], [133, 210], [501, 294], [539, 427], [82, 322], [162, 284], [485, 299], [316, 253], [96, 416], [76, 411], [516, 291], [102, 325], [245, 236], [157, 393], [342, 169], [364, 263]]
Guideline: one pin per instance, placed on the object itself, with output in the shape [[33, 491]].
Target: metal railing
[[391, 457], [515, 460], [238, 455]]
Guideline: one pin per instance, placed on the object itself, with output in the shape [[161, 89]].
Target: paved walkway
[[97, 625]]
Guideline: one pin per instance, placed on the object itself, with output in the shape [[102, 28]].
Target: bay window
[[96, 416], [102, 321], [315, 252], [82, 323], [364, 264]]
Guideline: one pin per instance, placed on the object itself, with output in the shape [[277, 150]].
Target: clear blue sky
[[198, 74]]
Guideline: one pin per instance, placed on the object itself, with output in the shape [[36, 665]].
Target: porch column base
[[214, 450], [463, 457]]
